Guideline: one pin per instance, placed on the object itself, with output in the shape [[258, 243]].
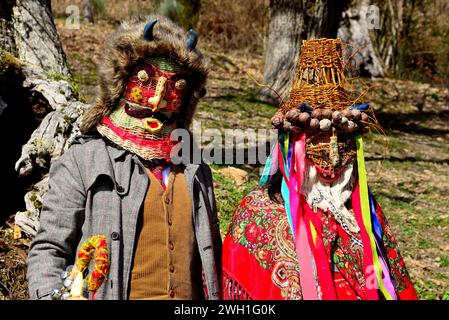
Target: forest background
[[399, 53]]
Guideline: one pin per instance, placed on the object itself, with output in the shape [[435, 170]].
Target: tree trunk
[[285, 33], [355, 30], [36, 38], [43, 99], [6, 38], [183, 12], [326, 19], [290, 23], [88, 11]]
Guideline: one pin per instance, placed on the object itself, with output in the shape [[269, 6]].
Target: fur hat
[[128, 46]]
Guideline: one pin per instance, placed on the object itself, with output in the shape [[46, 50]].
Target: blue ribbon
[[305, 107], [360, 107], [376, 224]]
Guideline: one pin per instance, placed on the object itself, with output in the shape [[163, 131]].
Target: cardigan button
[[115, 236], [120, 189]]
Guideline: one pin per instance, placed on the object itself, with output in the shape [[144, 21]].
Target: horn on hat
[[148, 30], [192, 40]]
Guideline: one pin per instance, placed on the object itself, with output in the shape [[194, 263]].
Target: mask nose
[[333, 150], [157, 102]]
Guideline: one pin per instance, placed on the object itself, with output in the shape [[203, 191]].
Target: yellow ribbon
[[366, 215]]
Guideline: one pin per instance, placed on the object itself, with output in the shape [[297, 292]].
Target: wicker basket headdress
[[318, 99]]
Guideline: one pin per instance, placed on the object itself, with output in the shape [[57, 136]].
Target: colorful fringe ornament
[[94, 246]]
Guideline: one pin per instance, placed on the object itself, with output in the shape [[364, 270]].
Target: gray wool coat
[[98, 189]]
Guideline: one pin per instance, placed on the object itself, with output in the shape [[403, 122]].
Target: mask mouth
[[139, 112], [144, 112], [331, 158], [328, 174], [152, 121], [152, 125]]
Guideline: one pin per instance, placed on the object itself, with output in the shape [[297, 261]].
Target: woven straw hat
[[319, 100]]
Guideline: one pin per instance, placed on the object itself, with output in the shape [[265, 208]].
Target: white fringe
[[331, 196]]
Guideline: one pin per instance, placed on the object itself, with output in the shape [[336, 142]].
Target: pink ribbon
[[300, 231]]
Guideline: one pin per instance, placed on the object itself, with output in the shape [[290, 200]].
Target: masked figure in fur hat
[[312, 229], [117, 180]]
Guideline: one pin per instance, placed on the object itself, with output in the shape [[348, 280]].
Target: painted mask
[[148, 111], [330, 154], [155, 92]]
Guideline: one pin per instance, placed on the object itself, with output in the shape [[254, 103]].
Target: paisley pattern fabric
[[260, 261], [261, 226]]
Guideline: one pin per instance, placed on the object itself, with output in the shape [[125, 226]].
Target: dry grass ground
[[410, 177]]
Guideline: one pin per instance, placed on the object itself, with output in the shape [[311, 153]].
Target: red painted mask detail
[[142, 86]]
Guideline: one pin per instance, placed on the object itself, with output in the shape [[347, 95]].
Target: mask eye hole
[[180, 84]]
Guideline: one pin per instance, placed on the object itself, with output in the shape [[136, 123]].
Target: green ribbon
[[366, 214]]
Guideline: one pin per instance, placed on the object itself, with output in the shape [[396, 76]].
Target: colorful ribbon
[[366, 216], [271, 165], [289, 156]]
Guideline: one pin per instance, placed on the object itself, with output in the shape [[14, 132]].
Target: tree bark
[[88, 11], [183, 12], [285, 33], [290, 23], [36, 38], [6, 38], [49, 97], [326, 19], [355, 30]]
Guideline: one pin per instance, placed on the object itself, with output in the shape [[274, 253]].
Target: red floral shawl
[[260, 261]]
